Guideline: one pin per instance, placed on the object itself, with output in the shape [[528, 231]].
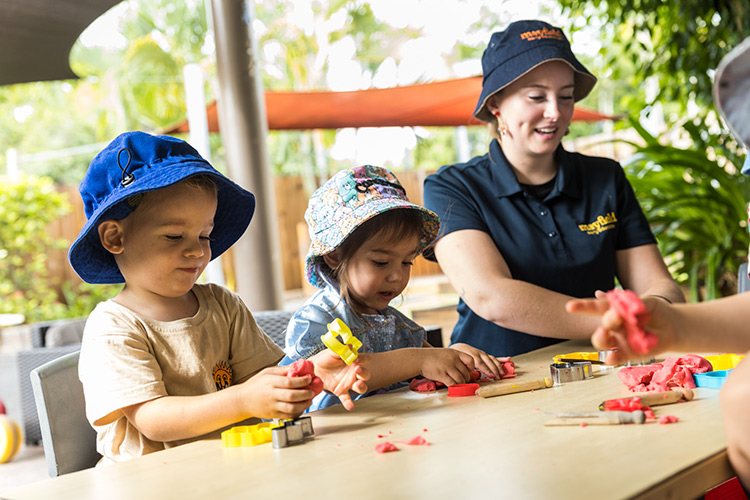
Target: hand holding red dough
[[303, 367], [634, 315]]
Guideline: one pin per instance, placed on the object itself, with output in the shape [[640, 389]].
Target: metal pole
[[244, 129], [195, 99]]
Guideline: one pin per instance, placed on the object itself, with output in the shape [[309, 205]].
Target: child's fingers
[[294, 382], [360, 387], [294, 395], [490, 366], [346, 401]]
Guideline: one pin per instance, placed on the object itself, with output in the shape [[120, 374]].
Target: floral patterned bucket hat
[[345, 202]]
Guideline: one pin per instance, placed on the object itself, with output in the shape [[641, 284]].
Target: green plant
[[696, 202], [27, 206]]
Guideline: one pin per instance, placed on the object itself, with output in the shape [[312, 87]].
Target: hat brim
[[314, 263], [235, 208], [498, 79]]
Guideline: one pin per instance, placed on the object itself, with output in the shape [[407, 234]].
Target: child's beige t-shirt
[[128, 359]]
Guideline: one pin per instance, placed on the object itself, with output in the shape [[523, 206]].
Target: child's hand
[[271, 394], [489, 365], [340, 378], [611, 333], [449, 366]]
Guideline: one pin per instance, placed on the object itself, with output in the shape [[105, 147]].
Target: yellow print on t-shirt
[[601, 224]]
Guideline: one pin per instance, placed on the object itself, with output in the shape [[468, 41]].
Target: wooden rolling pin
[[656, 398], [503, 387], [606, 418]]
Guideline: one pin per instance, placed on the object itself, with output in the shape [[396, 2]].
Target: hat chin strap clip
[[127, 177]]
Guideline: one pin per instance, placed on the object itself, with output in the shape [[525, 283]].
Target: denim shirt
[[382, 332]]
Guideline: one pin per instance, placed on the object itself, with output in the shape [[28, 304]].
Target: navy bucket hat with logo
[[137, 162], [523, 46]]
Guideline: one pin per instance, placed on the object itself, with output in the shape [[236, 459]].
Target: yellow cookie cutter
[[581, 356], [248, 435], [348, 349]]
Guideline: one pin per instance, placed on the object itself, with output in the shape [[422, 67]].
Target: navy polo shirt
[[566, 242]]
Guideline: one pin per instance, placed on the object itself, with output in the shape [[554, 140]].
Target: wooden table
[[480, 448]]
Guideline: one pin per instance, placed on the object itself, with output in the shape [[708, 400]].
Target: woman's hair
[[389, 227]]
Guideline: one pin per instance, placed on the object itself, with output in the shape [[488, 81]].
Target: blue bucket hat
[[345, 202], [523, 46], [137, 162]]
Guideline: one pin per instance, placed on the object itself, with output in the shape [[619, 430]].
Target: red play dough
[[634, 313], [416, 440], [629, 404], [674, 372], [385, 447], [668, 419], [424, 385], [303, 367]]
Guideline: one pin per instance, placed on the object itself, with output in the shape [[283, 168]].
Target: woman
[[529, 226]]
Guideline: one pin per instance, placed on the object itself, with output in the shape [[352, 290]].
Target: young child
[[364, 236], [167, 360]]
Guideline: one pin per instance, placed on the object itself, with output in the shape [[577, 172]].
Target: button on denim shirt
[[382, 332]]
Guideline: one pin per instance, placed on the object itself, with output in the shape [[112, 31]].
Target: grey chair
[[274, 324], [26, 361], [69, 440], [743, 282]]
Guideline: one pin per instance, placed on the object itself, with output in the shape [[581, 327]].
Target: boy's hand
[[446, 365], [271, 394], [489, 365], [340, 378], [611, 333]]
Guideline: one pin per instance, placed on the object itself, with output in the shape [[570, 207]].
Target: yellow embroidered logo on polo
[[555, 34], [601, 224]]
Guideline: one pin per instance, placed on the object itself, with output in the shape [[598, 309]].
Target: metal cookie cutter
[[291, 432], [570, 372]]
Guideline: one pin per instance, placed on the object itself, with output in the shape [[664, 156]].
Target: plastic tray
[[711, 380]]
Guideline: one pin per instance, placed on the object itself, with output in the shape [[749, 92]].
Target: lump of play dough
[[416, 440], [303, 367], [674, 372], [629, 404], [668, 419], [424, 385], [634, 313], [385, 447]]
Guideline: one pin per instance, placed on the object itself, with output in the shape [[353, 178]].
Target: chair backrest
[[743, 282], [274, 324], [69, 440]]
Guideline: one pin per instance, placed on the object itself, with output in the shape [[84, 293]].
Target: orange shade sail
[[440, 104]]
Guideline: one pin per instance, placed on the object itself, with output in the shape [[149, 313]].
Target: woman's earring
[[500, 128]]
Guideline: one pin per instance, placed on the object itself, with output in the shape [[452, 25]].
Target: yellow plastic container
[[724, 361]]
